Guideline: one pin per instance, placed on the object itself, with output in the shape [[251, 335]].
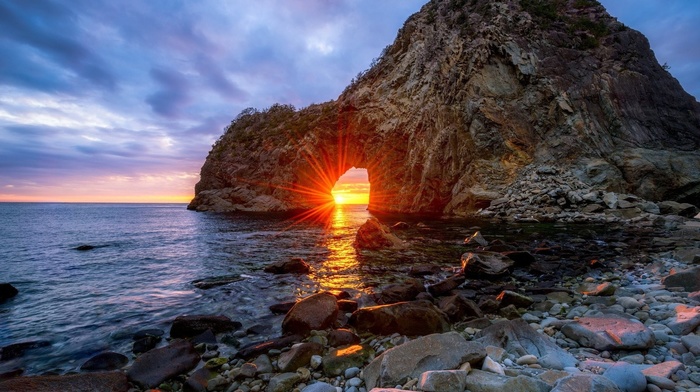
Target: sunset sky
[[121, 100]]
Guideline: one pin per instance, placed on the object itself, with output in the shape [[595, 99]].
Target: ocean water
[[146, 256]]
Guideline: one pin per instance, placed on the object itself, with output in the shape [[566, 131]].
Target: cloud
[[173, 94]]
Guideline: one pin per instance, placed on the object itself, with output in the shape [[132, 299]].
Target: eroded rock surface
[[469, 94]]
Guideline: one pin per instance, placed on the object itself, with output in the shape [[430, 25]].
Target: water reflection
[[341, 268]]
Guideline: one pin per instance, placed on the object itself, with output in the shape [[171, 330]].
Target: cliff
[[470, 93]]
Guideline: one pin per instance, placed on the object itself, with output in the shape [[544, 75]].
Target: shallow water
[[140, 273]]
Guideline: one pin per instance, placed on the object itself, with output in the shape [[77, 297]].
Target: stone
[[492, 366], [507, 297], [282, 308], [610, 199], [458, 308], [520, 257], [315, 312], [481, 381], [263, 364], [476, 238], [585, 382], [661, 382], [670, 207], [375, 235], [433, 352], [146, 340], [342, 337], [686, 319], [603, 290], [688, 279], [283, 382], [692, 343], [152, 368], [445, 286], [627, 377], [485, 264], [199, 380], [7, 291], [16, 350], [406, 318], [528, 359], [609, 332], [519, 338], [299, 355], [208, 283], [86, 382], [401, 292], [524, 99], [256, 349], [443, 381], [249, 370], [190, 326], [296, 265], [319, 387], [347, 306], [105, 361], [337, 361]]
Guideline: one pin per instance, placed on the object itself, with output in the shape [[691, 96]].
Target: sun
[[339, 199]]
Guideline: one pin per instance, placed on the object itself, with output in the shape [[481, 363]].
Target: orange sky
[[352, 187]]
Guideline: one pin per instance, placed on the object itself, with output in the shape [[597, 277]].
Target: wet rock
[[481, 381], [443, 381], [519, 338], [507, 297], [338, 360], [206, 337], [7, 291], [145, 344], [627, 377], [444, 287], [423, 270], [105, 361], [88, 382], [16, 350], [190, 326], [477, 239], [316, 312], [282, 308], [256, 349], [374, 235], [686, 319], [585, 383], [401, 292], [433, 352], [342, 337], [485, 264], [84, 247], [688, 279], [283, 382], [299, 355], [605, 289], [458, 308], [198, 380], [152, 368], [216, 281], [407, 318], [296, 265], [609, 332]]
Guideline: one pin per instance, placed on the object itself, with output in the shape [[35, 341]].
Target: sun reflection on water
[[341, 269]]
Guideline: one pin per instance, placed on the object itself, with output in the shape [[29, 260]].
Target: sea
[[144, 259]]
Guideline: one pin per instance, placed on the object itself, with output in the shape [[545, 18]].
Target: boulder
[[296, 265], [16, 350], [686, 319], [674, 208], [585, 382], [406, 318], [401, 292], [259, 348], [517, 337], [105, 361], [605, 289], [190, 326], [88, 382], [374, 235], [152, 368], [481, 381], [628, 378], [443, 381], [298, 356], [433, 352], [444, 287], [485, 264], [507, 297], [458, 308], [338, 360], [342, 337], [476, 239], [609, 332], [315, 312], [347, 305], [688, 279], [7, 291], [520, 257]]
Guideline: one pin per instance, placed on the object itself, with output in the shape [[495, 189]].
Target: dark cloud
[[216, 79], [173, 95]]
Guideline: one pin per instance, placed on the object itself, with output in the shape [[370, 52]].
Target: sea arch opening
[[352, 187]]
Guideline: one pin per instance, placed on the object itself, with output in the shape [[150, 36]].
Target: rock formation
[[470, 93]]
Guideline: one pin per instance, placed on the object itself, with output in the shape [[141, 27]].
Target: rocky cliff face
[[470, 93]]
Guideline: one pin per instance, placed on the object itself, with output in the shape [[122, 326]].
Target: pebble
[[527, 360]]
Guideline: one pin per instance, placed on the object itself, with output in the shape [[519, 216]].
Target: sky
[[120, 101]]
